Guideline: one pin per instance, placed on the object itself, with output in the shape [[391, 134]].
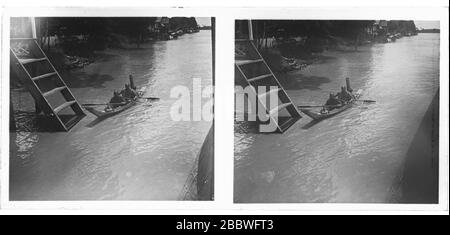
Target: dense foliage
[[346, 29], [101, 32]]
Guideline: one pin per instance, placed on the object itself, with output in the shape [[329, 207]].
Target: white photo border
[[224, 109]]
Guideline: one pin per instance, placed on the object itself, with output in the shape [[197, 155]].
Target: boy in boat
[[116, 101], [333, 100], [344, 94], [331, 103], [132, 86], [128, 93]]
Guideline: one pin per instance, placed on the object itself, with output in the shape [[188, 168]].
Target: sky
[[427, 24], [204, 21]]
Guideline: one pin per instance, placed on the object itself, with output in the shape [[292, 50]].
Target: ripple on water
[[356, 155], [139, 154]]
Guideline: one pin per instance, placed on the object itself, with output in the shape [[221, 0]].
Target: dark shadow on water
[[83, 80], [323, 59], [310, 124], [135, 48], [105, 58], [300, 81], [350, 51], [32, 122], [95, 122]]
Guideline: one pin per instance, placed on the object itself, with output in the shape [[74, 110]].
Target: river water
[[140, 154], [358, 155]]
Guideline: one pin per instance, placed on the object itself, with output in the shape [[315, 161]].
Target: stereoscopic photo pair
[[122, 108]]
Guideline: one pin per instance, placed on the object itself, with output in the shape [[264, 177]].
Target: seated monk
[[332, 102], [116, 101], [128, 93], [344, 94]]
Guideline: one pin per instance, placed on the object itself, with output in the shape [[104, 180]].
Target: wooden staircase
[[51, 94], [250, 65]]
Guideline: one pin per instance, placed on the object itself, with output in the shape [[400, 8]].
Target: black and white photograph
[[111, 108], [336, 111], [221, 116]]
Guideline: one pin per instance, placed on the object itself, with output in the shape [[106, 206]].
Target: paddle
[[147, 98], [102, 104], [309, 106], [367, 101], [150, 98], [315, 106]]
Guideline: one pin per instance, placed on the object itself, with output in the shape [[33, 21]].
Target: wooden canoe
[[321, 115], [112, 112]]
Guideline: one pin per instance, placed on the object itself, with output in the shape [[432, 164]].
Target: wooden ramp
[[252, 67], [51, 94]]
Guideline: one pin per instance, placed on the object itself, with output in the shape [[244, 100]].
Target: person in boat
[[132, 86], [116, 101], [344, 94], [128, 93], [332, 102]]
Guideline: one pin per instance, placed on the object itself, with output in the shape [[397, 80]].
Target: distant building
[[160, 28], [161, 23], [380, 27]]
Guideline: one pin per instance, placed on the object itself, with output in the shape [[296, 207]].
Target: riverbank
[[299, 53], [140, 154]]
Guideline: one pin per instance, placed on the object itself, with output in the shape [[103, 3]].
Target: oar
[[316, 106], [102, 104], [309, 106], [150, 98], [367, 101]]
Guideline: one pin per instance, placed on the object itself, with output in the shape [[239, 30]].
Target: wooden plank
[[278, 108], [53, 91], [250, 30], [291, 121], [43, 76], [261, 96], [73, 121], [33, 27], [260, 77], [244, 62], [22, 39], [32, 60], [63, 106]]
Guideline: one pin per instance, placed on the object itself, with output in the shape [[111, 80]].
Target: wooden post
[[37, 107], [213, 42], [33, 27], [47, 33], [250, 30]]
